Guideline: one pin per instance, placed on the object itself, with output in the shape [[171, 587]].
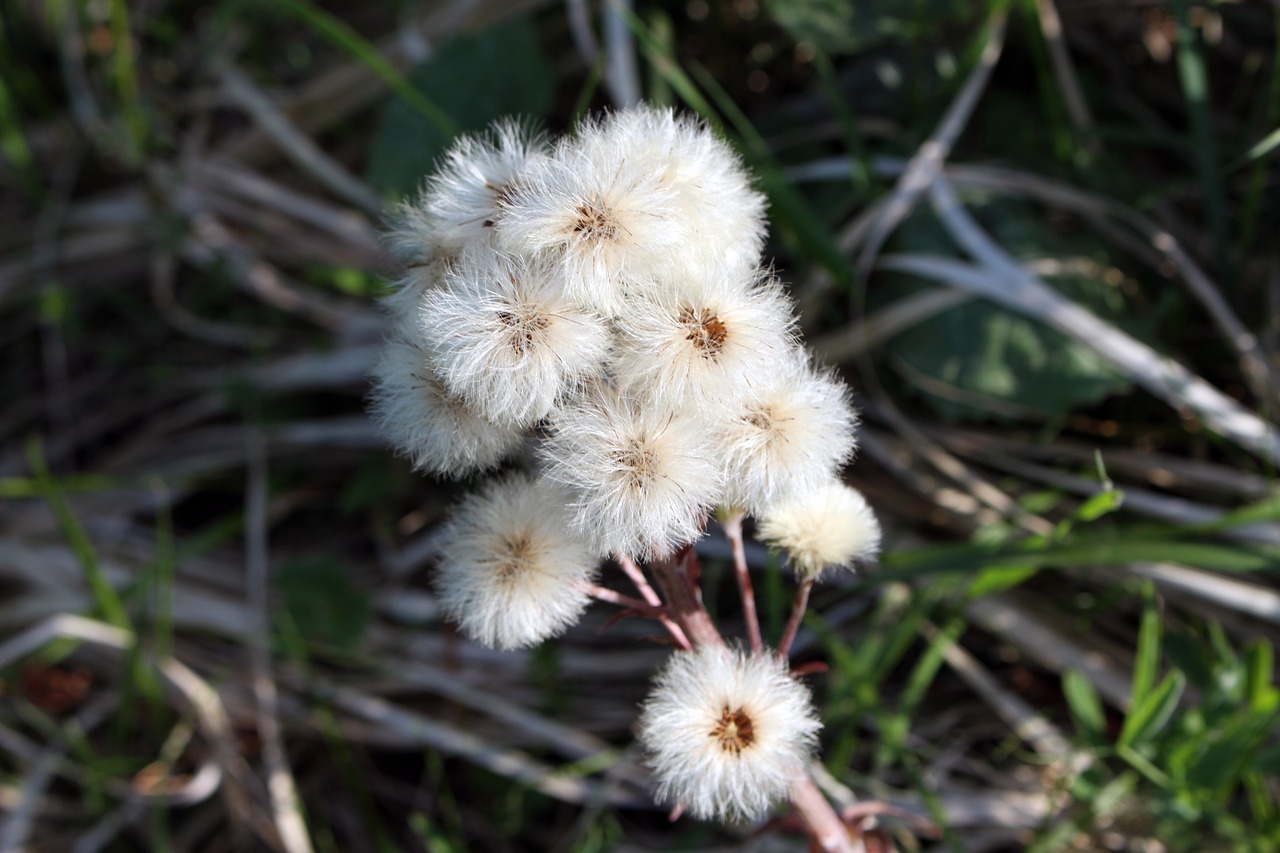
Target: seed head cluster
[[599, 301]]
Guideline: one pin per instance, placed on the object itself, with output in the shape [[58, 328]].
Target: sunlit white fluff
[[436, 430], [510, 572], [462, 202], [826, 527], [703, 343], [715, 200], [604, 213], [402, 304], [727, 733], [641, 479], [793, 435], [505, 338]]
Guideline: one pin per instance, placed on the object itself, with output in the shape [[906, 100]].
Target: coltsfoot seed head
[[505, 338], [827, 527], [793, 435], [726, 732], [641, 479], [438, 431], [702, 344], [511, 573]]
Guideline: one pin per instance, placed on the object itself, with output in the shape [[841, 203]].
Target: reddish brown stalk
[[651, 597], [684, 599], [733, 530], [828, 832], [676, 578], [798, 608], [603, 593]]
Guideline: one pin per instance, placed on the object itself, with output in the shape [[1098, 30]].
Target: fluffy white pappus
[[436, 430], [463, 201], [642, 479], [827, 527], [606, 216], [401, 305], [511, 574], [727, 733], [704, 343], [792, 436], [505, 338], [714, 195]]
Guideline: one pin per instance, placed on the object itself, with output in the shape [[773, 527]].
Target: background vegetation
[[1039, 237]]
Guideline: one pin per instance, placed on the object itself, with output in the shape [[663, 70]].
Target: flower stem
[[603, 593], [828, 832], [798, 608], [733, 530], [684, 599], [637, 577]]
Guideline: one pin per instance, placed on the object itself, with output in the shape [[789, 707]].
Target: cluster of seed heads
[[599, 302]]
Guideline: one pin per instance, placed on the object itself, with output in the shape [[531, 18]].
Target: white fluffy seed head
[[714, 196], [792, 436], [642, 479], [511, 574], [703, 343], [603, 206], [436, 430], [463, 201], [504, 337], [826, 527], [727, 733], [402, 304]]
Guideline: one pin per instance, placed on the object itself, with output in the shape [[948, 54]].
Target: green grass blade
[[107, 599], [1147, 662], [1195, 87], [1085, 705], [124, 76], [338, 33], [1153, 713]]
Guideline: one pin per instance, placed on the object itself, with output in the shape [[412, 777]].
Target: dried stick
[[733, 530], [285, 804], [297, 146]]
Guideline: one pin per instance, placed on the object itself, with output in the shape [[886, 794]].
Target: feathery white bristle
[[727, 733], [794, 434], [830, 526], [642, 479], [504, 337], [436, 430], [511, 573]]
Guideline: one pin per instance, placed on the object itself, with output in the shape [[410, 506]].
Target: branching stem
[[733, 530]]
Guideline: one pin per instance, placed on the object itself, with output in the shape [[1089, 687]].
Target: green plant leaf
[[1147, 661], [979, 361], [1085, 705], [1151, 715], [474, 79]]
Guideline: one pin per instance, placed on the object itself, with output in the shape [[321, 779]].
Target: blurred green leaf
[[1000, 578], [841, 26], [978, 361], [1221, 764], [1150, 716], [1147, 662], [1085, 705], [327, 608], [475, 79], [1101, 504], [1259, 661]]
